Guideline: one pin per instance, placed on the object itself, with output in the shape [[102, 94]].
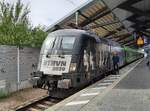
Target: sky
[[47, 12]]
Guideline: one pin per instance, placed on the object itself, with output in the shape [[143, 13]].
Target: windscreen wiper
[[61, 55], [54, 43]]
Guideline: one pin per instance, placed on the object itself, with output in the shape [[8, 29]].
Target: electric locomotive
[[72, 58]]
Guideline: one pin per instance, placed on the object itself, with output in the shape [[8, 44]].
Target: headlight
[[72, 67]]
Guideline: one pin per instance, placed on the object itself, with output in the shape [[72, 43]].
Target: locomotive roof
[[81, 32], [74, 32]]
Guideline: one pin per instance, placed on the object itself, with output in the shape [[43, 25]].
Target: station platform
[[128, 91]]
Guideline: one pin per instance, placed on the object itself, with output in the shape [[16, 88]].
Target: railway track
[[39, 104]]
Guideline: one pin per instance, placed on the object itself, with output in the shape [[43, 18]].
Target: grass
[[3, 94]]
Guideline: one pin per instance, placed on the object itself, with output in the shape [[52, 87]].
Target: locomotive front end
[[58, 59]]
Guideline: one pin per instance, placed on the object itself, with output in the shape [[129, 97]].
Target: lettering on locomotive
[[57, 65]]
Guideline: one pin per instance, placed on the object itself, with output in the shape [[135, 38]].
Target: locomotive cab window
[[67, 43], [48, 44], [59, 45]]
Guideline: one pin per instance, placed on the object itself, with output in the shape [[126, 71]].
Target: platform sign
[[140, 41]]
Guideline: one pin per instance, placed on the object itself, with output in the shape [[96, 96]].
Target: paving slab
[[131, 94]]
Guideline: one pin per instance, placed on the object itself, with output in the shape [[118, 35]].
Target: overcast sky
[[47, 12]]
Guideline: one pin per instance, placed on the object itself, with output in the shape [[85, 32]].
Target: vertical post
[[77, 14], [18, 68]]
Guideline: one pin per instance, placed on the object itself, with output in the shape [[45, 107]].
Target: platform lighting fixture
[[77, 18]]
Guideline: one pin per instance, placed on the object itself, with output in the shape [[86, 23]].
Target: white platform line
[[114, 77], [77, 103], [103, 84], [90, 94], [108, 80], [99, 88]]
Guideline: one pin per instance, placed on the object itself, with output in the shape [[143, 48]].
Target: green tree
[[15, 28], [37, 36]]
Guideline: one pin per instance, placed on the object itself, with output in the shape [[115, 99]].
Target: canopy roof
[[112, 19]]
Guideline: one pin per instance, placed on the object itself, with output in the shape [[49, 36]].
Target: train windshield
[[48, 44], [67, 43], [58, 45]]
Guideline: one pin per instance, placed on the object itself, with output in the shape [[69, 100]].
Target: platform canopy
[[139, 19], [112, 19]]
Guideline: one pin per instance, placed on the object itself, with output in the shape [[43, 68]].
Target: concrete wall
[[8, 67]]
